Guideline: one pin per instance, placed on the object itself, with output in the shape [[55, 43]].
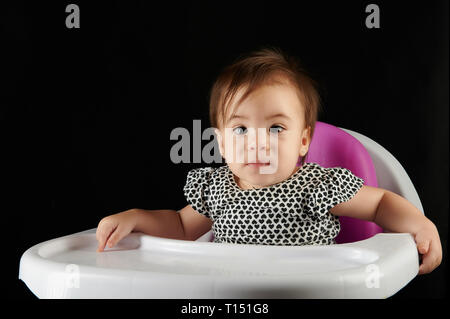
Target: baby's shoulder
[[208, 175], [332, 175], [313, 170], [316, 170], [315, 173]]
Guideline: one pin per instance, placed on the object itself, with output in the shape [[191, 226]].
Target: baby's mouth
[[258, 164]]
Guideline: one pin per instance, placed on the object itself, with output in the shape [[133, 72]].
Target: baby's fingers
[[427, 265], [104, 230], [423, 246], [430, 260], [118, 234]]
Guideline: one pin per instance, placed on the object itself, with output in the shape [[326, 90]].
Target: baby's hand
[[429, 247], [113, 228]]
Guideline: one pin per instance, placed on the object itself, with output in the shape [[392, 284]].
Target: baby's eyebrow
[[277, 115], [235, 116]]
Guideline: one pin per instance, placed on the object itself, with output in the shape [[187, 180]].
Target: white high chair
[[364, 264]]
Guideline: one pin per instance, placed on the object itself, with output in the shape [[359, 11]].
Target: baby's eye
[[275, 129], [240, 130]]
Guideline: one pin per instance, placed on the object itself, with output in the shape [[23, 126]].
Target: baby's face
[[262, 142]]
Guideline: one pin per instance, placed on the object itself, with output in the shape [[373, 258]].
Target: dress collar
[[234, 185]]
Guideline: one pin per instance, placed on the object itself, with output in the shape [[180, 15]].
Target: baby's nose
[[260, 146], [259, 141], [254, 148]]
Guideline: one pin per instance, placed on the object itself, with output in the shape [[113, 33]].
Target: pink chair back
[[333, 147]]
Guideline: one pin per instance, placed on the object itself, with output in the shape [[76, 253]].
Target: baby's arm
[[187, 225], [396, 214]]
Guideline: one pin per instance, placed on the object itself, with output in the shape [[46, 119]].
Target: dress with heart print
[[292, 212]]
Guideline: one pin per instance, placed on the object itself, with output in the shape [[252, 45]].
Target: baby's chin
[[259, 175]]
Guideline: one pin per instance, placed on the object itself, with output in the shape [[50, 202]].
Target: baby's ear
[[305, 141]]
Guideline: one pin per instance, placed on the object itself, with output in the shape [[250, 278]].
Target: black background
[[86, 113]]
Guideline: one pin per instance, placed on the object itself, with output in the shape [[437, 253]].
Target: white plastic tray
[[142, 266]]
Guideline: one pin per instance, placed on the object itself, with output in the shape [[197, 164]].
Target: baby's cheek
[[274, 151], [288, 153], [235, 150]]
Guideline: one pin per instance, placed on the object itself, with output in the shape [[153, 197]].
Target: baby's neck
[[245, 185]]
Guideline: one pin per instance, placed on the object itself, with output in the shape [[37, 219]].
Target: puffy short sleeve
[[335, 185], [197, 189]]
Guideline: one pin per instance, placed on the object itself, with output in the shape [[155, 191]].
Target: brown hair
[[255, 70]]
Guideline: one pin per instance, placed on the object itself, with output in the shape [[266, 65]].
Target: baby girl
[[264, 109]]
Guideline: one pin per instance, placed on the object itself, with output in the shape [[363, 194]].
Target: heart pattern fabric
[[292, 212]]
